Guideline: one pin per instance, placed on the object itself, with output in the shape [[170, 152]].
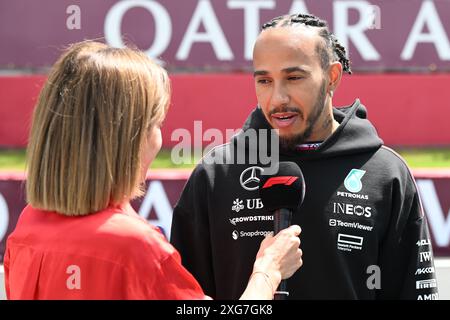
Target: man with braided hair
[[364, 234]]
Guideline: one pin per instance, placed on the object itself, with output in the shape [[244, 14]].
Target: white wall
[[442, 274]]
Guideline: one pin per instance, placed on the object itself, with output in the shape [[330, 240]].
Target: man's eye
[[295, 78], [263, 81]]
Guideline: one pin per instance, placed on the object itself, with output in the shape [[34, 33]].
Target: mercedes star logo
[[249, 178]]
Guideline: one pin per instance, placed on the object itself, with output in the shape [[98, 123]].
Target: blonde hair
[[89, 127]]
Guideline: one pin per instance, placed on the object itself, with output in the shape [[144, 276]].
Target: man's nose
[[280, 97]]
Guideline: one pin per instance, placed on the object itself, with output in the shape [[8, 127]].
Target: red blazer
[[111, 254]]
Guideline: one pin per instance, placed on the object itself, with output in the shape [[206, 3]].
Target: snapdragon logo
[[4, 217], [252, 147], [251, 234]]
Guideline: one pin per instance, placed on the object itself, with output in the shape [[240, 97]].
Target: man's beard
[[290, 143]]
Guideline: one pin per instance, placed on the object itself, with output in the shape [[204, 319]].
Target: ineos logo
[[249, 178], [4, 217]]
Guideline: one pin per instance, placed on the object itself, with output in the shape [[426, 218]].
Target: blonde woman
[[95, 131]]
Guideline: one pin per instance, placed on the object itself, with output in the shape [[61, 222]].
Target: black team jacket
[[364, 233]]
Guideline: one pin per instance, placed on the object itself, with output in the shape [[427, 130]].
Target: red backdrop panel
[[407, 110]]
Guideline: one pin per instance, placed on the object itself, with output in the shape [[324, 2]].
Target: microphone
[[282, 194]]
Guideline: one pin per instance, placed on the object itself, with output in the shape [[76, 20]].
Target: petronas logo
[[353, 180]]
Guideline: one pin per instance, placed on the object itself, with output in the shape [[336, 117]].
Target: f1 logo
[[285, 180]]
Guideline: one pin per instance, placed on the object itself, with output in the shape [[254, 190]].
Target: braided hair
[[332, 44]]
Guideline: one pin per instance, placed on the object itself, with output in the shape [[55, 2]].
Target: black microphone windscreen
[[285, 189]]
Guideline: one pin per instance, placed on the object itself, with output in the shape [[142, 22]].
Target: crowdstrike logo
[[236, 220], [353, 180], [249, 178]]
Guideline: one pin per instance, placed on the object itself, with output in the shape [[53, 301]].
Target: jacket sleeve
[[175, 283], [406, 253], [190, 233]]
